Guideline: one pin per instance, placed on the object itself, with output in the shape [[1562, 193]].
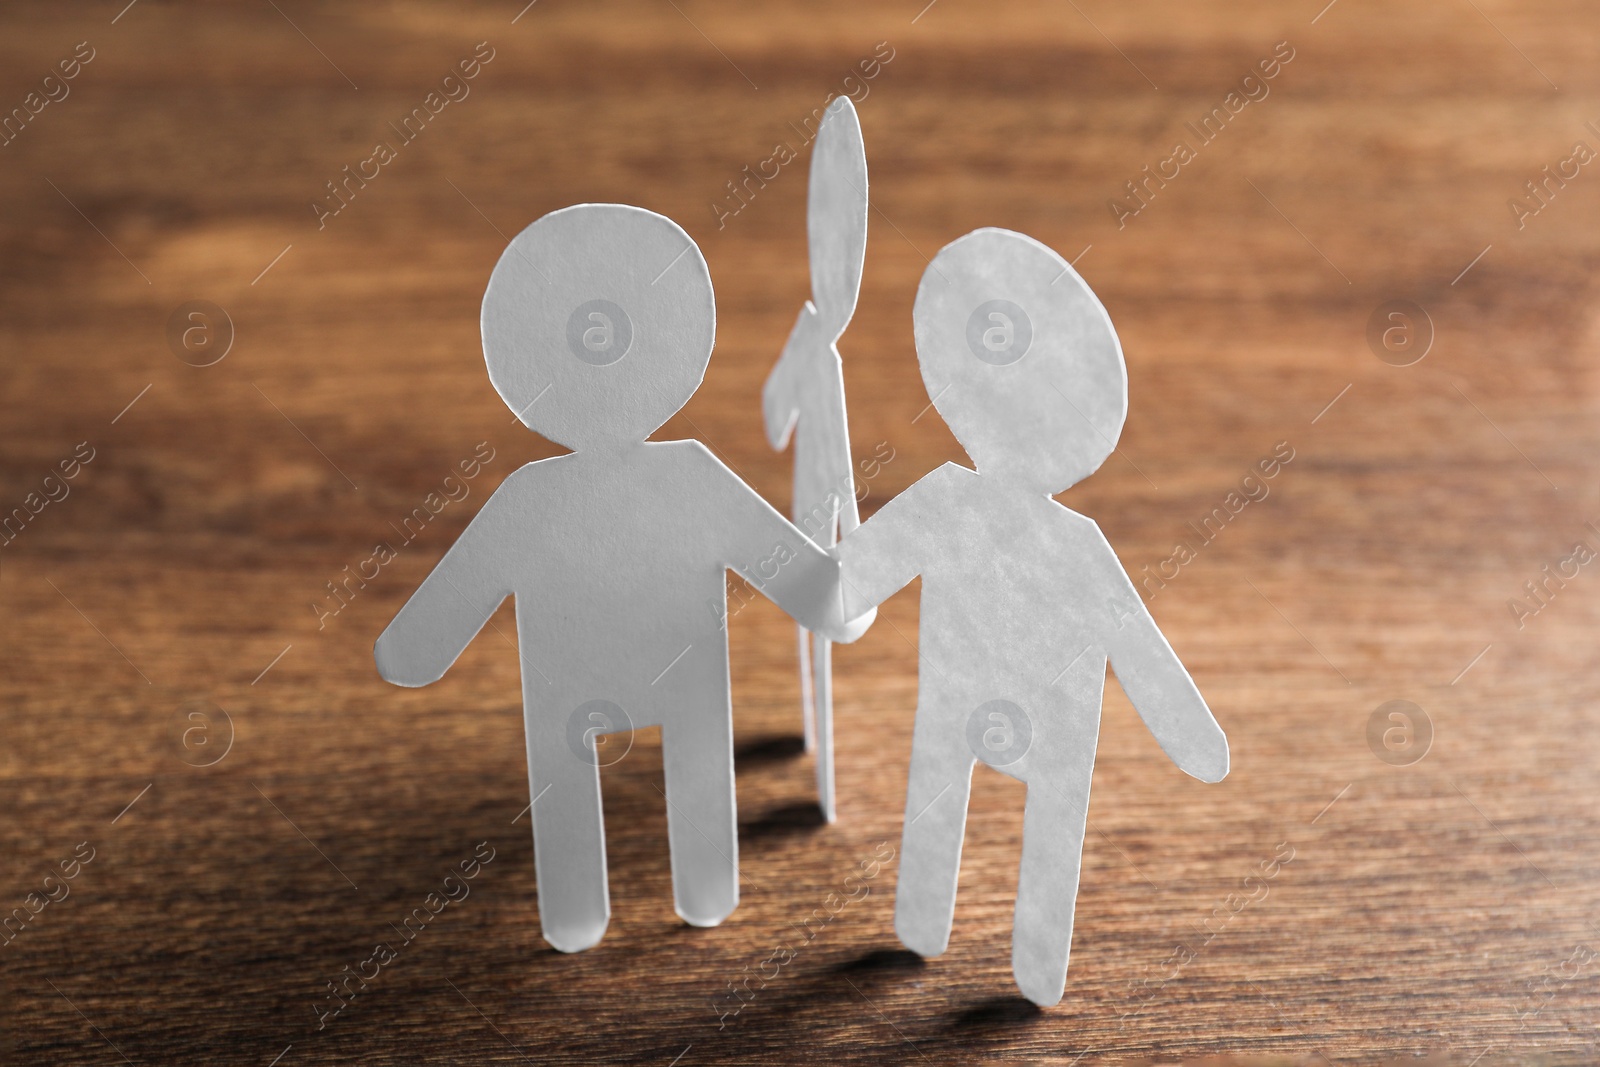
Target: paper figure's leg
[[1047, 889], [808, 705], [569, 838], [702, 822], [822, 687], [930, 848]]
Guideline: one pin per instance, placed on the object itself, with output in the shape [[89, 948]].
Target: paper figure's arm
[[452, 603], [1156, 681], [771, 553], [780, 396], [884, 553]]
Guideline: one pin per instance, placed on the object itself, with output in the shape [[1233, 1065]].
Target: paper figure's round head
[[598, 323], [1020, 359], [836, 216]]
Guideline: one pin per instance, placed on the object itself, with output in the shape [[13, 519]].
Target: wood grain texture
[[1444, 909]]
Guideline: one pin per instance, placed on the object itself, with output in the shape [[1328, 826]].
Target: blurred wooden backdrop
[[1442, 908]]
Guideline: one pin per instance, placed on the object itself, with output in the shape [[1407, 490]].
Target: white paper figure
[[804, 394], [1023, 600], [598, 323]]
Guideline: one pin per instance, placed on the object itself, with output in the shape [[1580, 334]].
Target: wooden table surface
[[183, 706]]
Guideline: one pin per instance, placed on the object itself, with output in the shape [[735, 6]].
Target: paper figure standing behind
[[598, 323], [804, 394], [1023, 600]]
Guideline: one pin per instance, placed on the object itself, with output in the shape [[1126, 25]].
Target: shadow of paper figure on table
[[804, 394], [999, 1015], [787, 820], [1023, 600], [598, 323], [767, 750]]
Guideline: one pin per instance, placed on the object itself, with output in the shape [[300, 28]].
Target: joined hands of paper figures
[[1023, 601], [804, 394], [598, 323]]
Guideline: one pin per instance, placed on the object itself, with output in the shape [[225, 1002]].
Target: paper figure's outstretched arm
[[883, 554], [780, 396], [1156, 681], [452, 603], [771, 553], [807, 384]]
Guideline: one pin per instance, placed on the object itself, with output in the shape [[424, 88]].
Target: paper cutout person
[[598, 323], [1023, 600], [804, 394]]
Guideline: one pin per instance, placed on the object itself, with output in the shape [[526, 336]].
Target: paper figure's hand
[[847, 632], [804, 582], [856, 627], [401, 653], [847, 629]]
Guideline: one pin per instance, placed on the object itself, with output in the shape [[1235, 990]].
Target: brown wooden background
[[1445, 908]]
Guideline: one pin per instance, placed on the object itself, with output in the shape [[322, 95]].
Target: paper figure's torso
[[1014, 599], [618, 578]]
